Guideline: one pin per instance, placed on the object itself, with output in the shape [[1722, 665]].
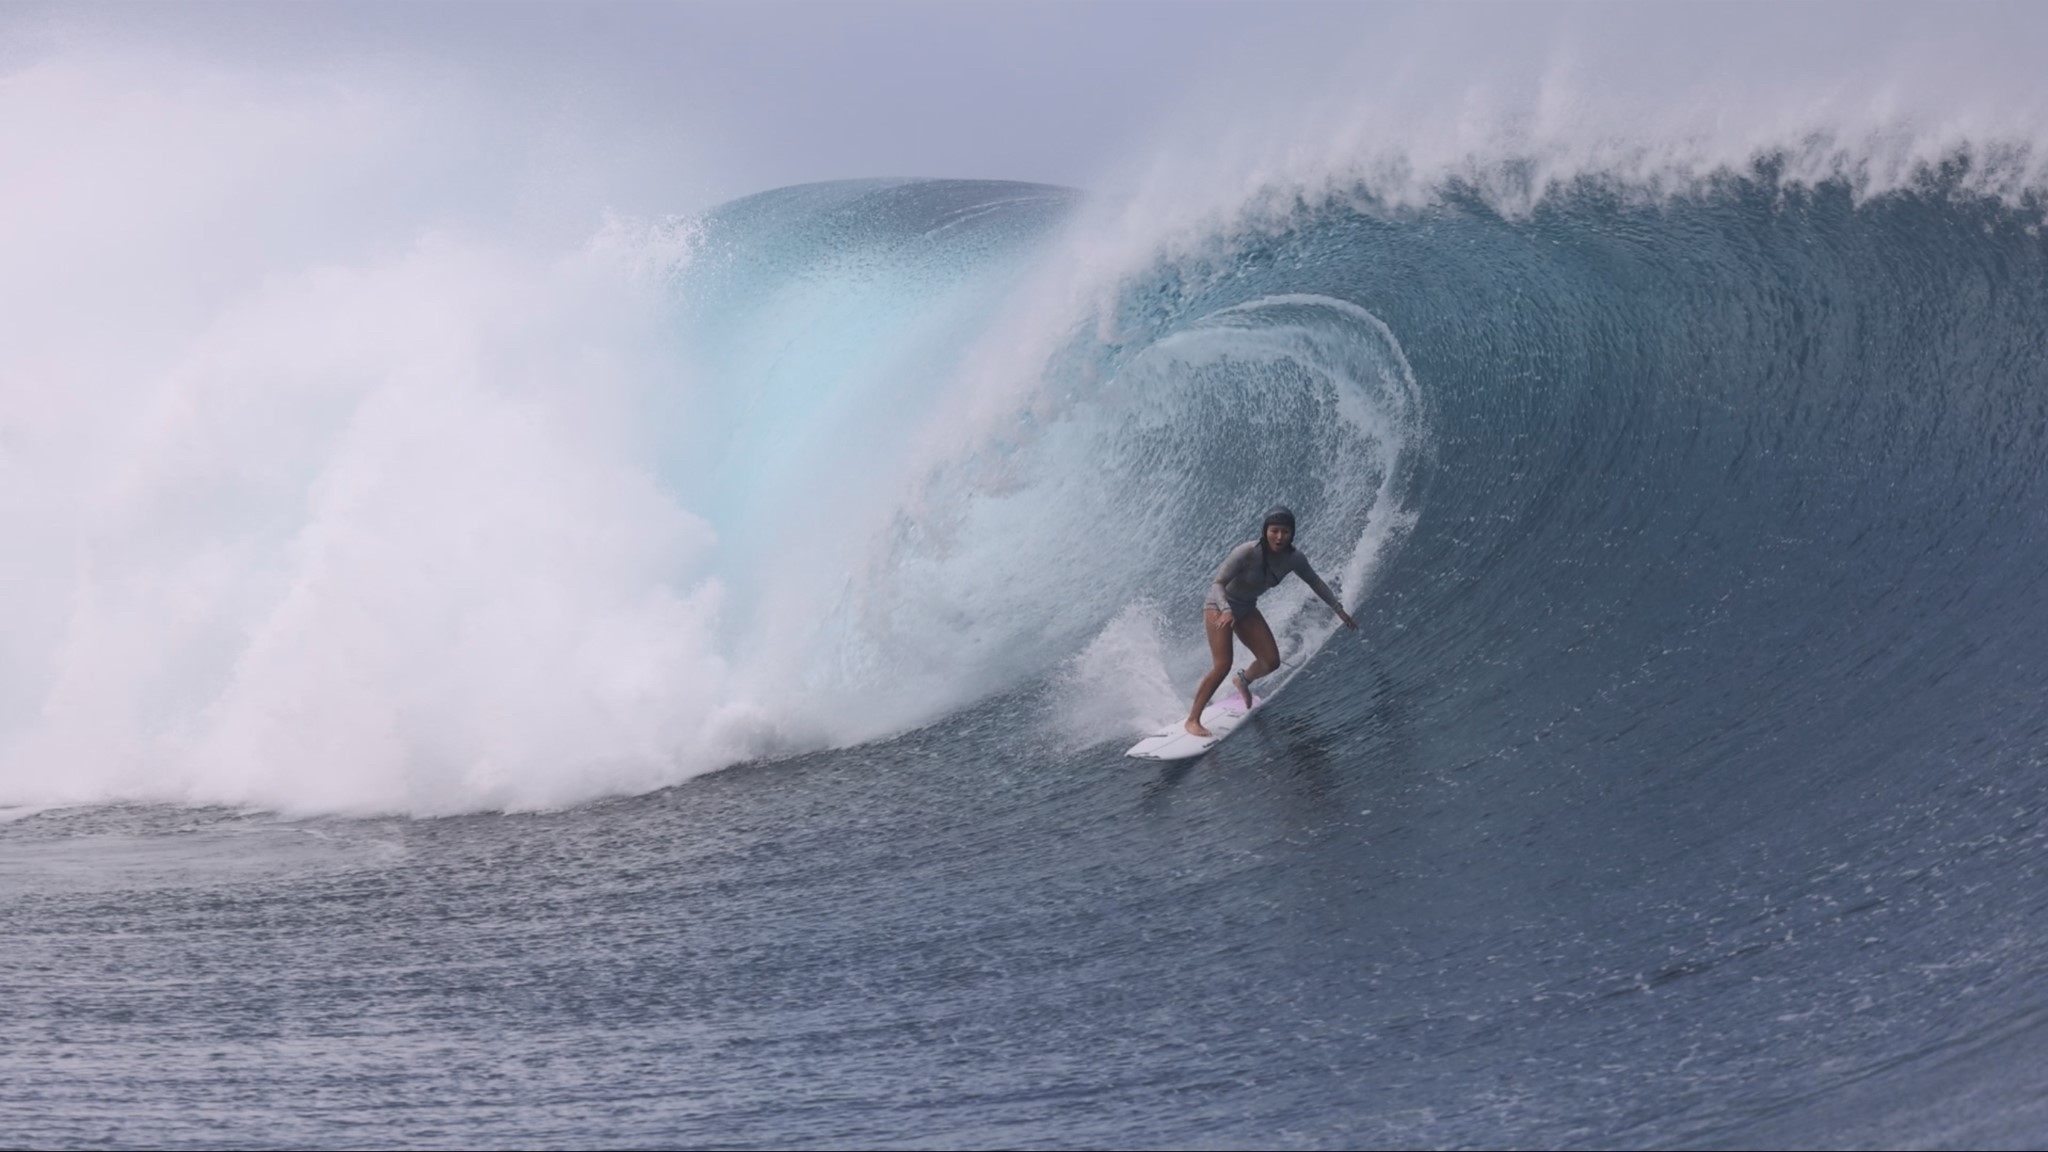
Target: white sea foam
[[311, 507]]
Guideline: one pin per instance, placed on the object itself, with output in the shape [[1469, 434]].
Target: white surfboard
[[1174, 742], [1226, 713]]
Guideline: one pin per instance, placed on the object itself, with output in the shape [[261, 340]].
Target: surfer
[[1232, 606]]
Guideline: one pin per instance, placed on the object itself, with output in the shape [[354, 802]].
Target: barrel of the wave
[[1231, 610]]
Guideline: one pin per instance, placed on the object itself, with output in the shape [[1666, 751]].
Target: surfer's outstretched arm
[[1309, 577]]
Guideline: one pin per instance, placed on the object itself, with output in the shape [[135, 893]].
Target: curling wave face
[[474, 530], [848, 471]]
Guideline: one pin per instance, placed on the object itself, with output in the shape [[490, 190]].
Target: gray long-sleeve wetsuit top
[[1246, 574]]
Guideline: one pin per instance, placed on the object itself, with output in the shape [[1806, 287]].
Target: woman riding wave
[[1232, 607]]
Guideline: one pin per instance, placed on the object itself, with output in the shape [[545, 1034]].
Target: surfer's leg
[[1257, 636], [1217, 624]]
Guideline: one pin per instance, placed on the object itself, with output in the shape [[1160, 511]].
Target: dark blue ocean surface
[[1682, 786]]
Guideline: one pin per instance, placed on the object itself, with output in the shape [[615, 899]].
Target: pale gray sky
[[764, 94], [682, 105]]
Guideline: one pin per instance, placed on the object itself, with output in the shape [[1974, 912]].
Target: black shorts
[[1237, 608]]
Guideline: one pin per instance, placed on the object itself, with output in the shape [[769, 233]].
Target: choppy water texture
[[1682, 786]]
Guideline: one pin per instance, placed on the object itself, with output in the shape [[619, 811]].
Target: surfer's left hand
[[1348, 621]]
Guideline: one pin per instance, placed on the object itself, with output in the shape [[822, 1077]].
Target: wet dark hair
[[1277, 514]]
